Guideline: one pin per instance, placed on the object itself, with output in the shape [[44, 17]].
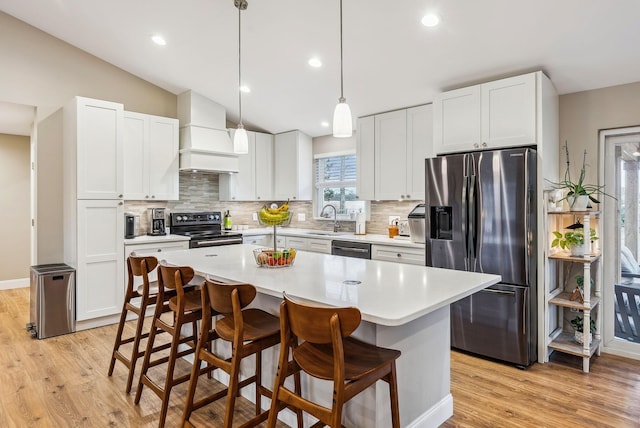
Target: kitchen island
[[405, 307]]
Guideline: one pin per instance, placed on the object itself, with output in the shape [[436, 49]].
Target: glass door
[[620, 149]]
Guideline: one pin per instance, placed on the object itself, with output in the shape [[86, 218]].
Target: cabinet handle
[[120, 203], [159, 249], [484, 144], [399, 255], [294, 197], [233, 197], [119, 196], [146, 196], [408, 196], [153, 196], [476, 145], [257, 197]]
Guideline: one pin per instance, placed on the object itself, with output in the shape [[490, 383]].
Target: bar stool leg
[[116, 345], [135, 352], [147, 356], [233, 388], [168, 383], [393, 393]]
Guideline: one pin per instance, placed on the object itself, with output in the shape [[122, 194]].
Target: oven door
[[214, 242]]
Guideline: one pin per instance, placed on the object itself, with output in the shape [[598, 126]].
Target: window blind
[[335, 171]]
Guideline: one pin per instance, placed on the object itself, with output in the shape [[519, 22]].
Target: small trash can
[[52, 300]]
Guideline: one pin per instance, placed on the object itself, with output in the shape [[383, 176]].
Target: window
[[335, 184]]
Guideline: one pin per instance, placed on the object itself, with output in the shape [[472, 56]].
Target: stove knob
[[178, 218]]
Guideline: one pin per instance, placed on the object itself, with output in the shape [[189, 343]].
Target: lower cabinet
[[99, 267], [151, 249], [264, 240], [398, 254], [309, 244]]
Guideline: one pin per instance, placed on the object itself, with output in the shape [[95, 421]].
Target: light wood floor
[[62, 382]]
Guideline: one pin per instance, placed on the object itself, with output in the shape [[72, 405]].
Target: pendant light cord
[[240, 60], [341, 59]]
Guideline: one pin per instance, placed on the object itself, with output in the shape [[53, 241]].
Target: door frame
[[610, 247]]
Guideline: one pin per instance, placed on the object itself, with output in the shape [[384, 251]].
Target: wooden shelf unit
[[558, 291]]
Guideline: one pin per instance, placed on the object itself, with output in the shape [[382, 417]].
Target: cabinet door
[[296, 243], [419, 147], [509, 112], [293, 162], [100, 268], [99, 149], [457, 120], [319, 246], [163, 158], [263, 166], [365, 158], [391, 155], [135, 158], [413, 256], [155, 249]]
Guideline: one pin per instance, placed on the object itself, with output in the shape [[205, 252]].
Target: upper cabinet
[[93, 142], [497, 114], [293, 178], [254, 181], [396, 144], [151, 157]]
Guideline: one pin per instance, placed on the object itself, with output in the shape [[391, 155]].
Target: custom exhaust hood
[[205, 145]]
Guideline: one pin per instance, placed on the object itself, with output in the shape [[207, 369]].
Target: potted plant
[[578, 193], [578, 325], [572, 240]]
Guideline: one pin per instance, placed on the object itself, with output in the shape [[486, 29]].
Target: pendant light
[[342, 122], [240, 139]]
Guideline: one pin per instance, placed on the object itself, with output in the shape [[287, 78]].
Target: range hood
[[205, 145]]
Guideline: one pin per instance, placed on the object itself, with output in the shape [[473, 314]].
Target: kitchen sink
[[320, 233]]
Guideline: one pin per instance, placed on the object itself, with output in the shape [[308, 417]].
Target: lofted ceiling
[[390, 60]]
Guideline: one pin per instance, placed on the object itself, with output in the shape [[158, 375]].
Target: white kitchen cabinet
[[151, 157], [398, 254], [263, 240], [309, 244], [93, 131], [497, 114], [293, 167], [254, 180], [98, 261], [365, 159], [155, 249], [396, 143]]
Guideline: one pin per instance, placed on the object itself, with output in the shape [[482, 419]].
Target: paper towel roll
[[361, 219]]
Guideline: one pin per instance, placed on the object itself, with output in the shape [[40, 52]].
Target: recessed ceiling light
[[245, 89], [158, 40], [325, 124], [315, 62], [430, 20]]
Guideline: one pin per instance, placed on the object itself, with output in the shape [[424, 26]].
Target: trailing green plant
[[579, 187], [578, 324], [571, 238], [580, 281]]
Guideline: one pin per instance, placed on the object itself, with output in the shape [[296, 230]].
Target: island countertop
[[386, 293]]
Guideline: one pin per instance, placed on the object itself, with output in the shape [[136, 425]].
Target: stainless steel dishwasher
[[52, 300], [359, 250]]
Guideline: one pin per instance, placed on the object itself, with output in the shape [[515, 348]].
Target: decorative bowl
[[267, 257]]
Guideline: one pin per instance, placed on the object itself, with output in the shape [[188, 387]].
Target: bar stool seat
[[316, 340]]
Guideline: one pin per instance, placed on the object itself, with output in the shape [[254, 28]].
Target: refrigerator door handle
[[465, 212], [471, 235]]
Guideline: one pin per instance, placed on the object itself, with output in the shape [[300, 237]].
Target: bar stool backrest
[[175, 277], [220, 295], [313, 323], [135, 264]]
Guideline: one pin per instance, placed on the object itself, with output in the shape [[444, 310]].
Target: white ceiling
[[390, 60]]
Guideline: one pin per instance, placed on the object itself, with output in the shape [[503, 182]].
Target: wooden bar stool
[[147, 292], [327, 352], [186, 307], [249, 331]]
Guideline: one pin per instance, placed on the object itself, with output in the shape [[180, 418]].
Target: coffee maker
[[157, 221]]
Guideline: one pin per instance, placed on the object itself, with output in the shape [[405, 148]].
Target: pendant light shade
[[342, 121], [240, 139]]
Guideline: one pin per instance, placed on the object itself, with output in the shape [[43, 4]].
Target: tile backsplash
[[200, 192]]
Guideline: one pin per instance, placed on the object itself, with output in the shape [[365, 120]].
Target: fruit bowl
[[267, 257], [279, 219]]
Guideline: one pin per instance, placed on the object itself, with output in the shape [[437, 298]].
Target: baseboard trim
[[436, 415], [14, 283]]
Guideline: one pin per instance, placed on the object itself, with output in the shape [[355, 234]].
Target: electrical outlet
[[393, 219], [302, 217], [255, 216]]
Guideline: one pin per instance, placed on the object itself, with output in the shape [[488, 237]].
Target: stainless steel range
[[204, 229]]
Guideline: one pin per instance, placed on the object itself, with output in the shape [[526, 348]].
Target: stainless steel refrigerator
[[480, 217]]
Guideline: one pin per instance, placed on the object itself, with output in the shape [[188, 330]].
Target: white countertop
[[309, 233], [389, 293], [148, 239]]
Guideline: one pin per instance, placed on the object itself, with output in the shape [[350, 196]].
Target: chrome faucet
[[336, 225]]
